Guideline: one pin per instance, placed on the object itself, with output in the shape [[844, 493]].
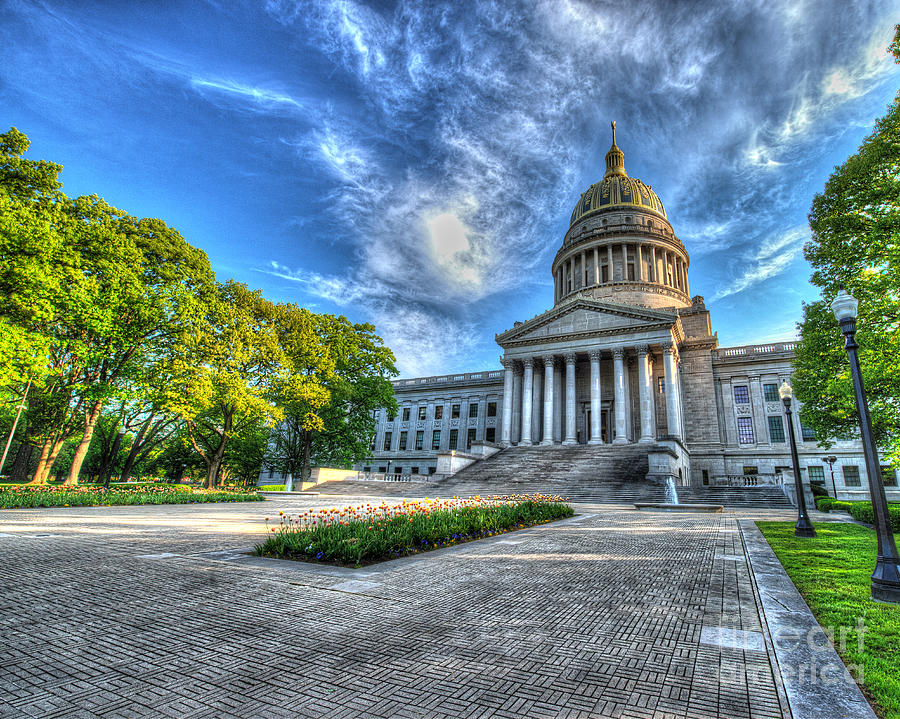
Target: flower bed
[[16, 497], [370, 533]]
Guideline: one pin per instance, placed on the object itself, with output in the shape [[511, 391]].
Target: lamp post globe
[[803, 527], [886, 577]]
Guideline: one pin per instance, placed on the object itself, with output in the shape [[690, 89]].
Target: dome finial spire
[[615, 158]]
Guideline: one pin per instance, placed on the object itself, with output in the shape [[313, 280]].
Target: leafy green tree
[[855, 244], [225, 376]]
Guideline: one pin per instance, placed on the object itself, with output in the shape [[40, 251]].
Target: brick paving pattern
[[614, 613]]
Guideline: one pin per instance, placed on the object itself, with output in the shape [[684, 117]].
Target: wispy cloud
[[772, 258], [264, 99]]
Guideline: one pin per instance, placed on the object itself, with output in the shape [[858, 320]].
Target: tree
[[855, 244], [225, 375]]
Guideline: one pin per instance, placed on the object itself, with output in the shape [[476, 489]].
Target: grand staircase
[[584, 473]]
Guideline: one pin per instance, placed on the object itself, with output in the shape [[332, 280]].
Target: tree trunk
[[90, 421], [135, 448], [307, 448], [38, 477], [55, 447], [19, 470]]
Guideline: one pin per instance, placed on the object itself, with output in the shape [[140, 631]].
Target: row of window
[[439, 412], [851, 475], [742, 393], [490, 435], [776, 430], [399, 470]]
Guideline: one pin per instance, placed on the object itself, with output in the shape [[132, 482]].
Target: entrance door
[[604, 425]]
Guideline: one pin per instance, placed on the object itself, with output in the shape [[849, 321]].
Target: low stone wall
[[319, 475]]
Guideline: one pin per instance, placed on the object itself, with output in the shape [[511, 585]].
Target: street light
[[114, 454], [804, 527], [831, 460], [886, 577]]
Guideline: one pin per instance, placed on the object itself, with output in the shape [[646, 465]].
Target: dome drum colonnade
[[620, 239], [522, 392]]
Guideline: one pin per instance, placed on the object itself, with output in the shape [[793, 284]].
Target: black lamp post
[[804, 527], [886, 577], [831, 460], [114, 454]]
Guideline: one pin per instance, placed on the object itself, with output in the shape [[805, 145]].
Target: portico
[[590, 414]]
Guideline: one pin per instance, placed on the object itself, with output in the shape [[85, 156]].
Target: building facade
[[624, 356]]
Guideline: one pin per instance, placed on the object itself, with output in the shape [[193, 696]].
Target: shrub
[[369, 533], [840, 506], [818, 490], [823, 504], [863, 512]]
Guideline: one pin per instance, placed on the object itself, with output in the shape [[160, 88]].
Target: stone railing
[[391, 477], [441, 379], [744, 480], [752, 350]]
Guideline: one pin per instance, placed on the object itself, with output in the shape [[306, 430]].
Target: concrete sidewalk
[[122, 612]]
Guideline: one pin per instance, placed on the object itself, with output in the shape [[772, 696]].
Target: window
[[436, 439], [420, 439], [771, 392], [851, 475], [439, 412], [473, 409], [631, 272], [398, 470], [750, 469], [661, 382], [490, 434], [432, 470], [454, 411], [470, 438], [367, 469], [382, 469], [776, 429], [809, 434], [372, 448], [405, 414], [745, 430], [387, 441], [422, 411], [604, 273], [402, 441], [741, 394], [492, 409], [888, 476], [376, 414], [816, 474], [705, 476], [454, 438], [414, 470], [649, 224]]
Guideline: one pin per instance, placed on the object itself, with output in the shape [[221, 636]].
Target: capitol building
[[625, 356]]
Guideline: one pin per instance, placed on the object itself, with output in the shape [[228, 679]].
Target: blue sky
[[414, 164]]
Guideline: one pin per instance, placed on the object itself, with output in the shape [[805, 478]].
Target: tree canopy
[[114, 320], [855, 245]]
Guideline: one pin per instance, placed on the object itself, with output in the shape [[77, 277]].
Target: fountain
[[289, 483], [671, 491], [673, 505]]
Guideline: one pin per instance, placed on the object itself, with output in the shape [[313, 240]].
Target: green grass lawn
[[832, 572]]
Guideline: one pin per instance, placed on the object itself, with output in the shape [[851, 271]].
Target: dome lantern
[[615, 158]]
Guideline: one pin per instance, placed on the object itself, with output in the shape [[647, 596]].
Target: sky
[[414, 164]]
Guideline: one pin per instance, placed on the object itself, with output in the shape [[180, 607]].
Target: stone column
[[645, 394], [527, 382], [687, 286], [571, 437], [517, 403], [673, 410], [619, 388], [596, 430], [557, 404], [610, 269], [549, 363], [537, 382], [583, 276], [596, 266], [506, 419], [653, 264]]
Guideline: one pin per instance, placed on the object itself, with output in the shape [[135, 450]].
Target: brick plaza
[[124, 612]]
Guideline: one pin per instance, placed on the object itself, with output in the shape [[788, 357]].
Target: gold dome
[[617, 190]]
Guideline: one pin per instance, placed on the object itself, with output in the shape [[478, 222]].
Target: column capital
[[618, 353], [507, 363], [549, 361], [668, 347], [594, 354], [527, 362], [642, 349], [570, 358]]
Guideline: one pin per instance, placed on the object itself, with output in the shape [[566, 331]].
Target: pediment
[[584, 316]]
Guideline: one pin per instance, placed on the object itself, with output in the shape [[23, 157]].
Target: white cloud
[[260, 97], [772, 258]]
